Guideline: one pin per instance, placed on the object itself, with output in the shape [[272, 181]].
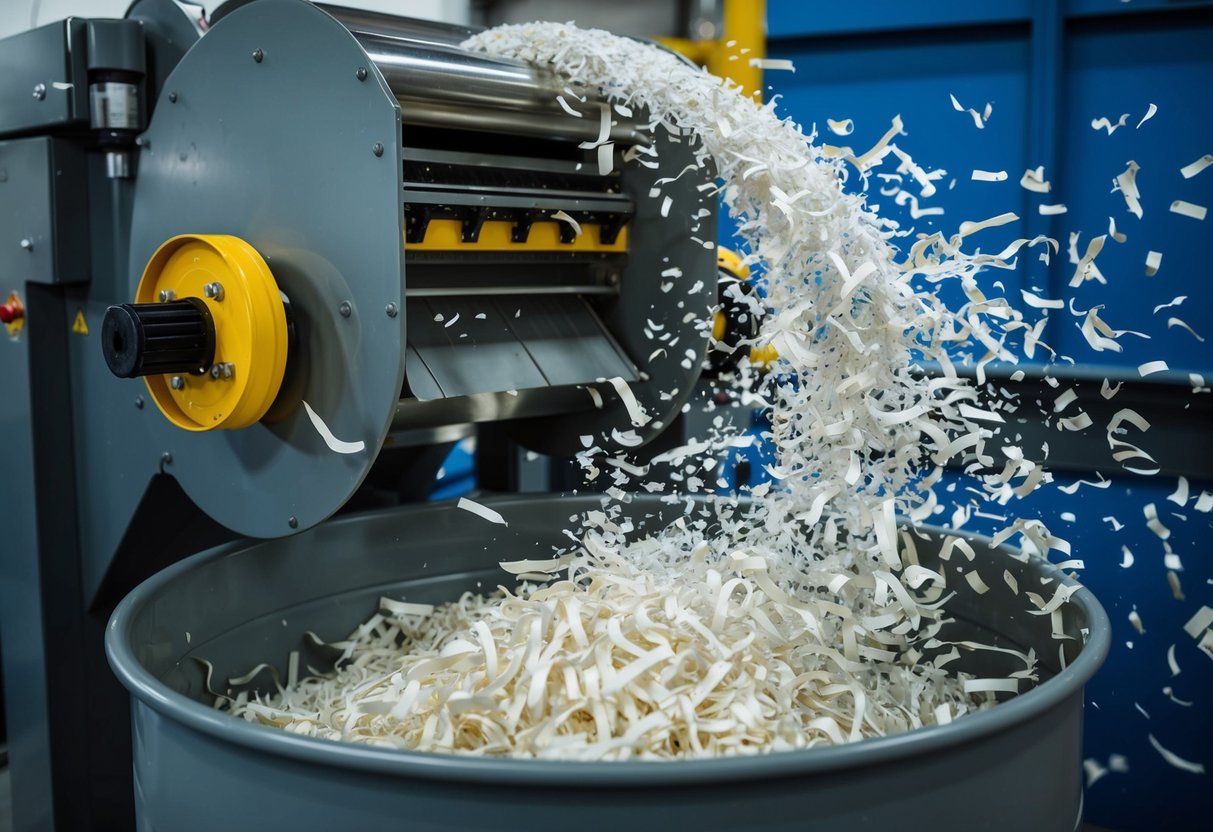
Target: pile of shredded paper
[[788, 623]]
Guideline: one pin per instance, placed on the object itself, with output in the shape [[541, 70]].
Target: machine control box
[[42, 75]]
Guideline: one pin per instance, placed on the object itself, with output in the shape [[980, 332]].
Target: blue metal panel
[[793, 18], [1112, 69]]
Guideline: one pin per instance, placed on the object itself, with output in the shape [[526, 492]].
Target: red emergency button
[[11, 310]]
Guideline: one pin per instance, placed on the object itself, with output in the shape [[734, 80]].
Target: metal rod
[[541, 122]]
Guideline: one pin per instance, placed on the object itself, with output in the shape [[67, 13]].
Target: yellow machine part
[[743, 38], [729, 261], [251, 338], [497, 235]]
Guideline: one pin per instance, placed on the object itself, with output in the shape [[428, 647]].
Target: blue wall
[[1049, 69]]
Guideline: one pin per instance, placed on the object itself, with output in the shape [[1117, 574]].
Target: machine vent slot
[[499, 344]]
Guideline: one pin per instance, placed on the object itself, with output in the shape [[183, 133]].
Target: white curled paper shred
[[1034, 180], [1182, 324], [636, 411], [336, 445], [1150, 111], [979, 119], [1153, 261], [481, 511], [841, 128], [1196, 167], [1103, 123], [1127, 183], [564, 217], [989, 176], [1188, 209], [1180, 495], [1174, 759], [518, 567]]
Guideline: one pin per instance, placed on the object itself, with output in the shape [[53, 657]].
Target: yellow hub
[[250, 331]]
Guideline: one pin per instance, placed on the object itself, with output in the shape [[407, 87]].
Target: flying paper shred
[[1153, 523], [1179, 322], [989, 176], [1199, 622], [1135, 620], [841, 128], [1153, 261], [1196, 167], [481, 511], [1151, 367], [1188, 209], [773, 63], [979, 119], [1051, 210], [1104, 124], [336, 445], [1127, 183], [1175, 759], [1153, 108], [1034, 180]]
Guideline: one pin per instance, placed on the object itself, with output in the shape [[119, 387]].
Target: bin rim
[[511, 771]]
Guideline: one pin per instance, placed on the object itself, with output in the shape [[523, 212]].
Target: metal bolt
[[258, 55], [292, 522], [166, 458], [172, 97], [177, 383], [166, 295], [392, 310], [214, 291], [138, 402], [345, 309], [39, 92], [361, 73], [27, 243], [377, 149], [224, 369], [142, 141]]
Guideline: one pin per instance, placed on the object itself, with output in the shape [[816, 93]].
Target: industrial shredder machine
[[263, 268], [289, 204]]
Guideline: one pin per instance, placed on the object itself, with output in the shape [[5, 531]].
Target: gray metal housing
[[284, 128], [1015, 767]]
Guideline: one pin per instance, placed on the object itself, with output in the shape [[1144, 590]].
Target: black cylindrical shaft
[[143, 339]]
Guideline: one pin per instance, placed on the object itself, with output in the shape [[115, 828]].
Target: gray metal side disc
[[268, 130]]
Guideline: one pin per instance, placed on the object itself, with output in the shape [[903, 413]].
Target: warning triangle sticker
[[80, 326]]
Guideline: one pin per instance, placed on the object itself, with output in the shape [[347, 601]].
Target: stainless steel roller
[[440, 85]]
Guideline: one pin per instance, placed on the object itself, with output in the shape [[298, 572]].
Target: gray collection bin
[[1015, 767]]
